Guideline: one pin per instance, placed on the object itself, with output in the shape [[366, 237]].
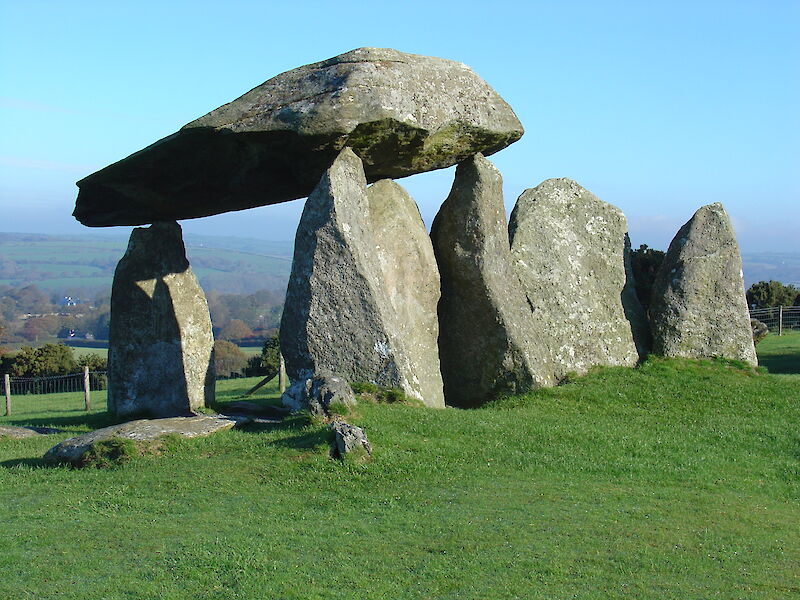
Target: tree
[[235, 329], [645, 263], [765, 294], [228, 358]]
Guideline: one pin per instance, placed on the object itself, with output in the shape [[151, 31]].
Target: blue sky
[[657, 108]]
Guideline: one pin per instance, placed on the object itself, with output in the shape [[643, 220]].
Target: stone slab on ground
[[142, 430], [26, 432], [401, 113]]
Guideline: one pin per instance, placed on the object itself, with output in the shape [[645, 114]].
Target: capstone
[[401, 114]]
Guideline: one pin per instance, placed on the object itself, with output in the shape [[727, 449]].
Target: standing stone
[[699, 309], [341, 314], [160, 359], [571, 253], [486, 343], [411, 280]]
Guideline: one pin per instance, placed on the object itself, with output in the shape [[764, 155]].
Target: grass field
[[676, 480]]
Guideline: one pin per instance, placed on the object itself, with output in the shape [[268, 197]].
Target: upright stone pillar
[[571, 253], [160, 355], [363, 290], [486, 342], [699, 308]]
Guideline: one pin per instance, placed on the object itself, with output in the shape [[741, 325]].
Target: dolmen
[[479, 308]]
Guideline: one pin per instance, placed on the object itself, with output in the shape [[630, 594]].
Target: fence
[[778, 318], [58, 384]]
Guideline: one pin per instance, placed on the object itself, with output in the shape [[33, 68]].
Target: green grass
[[780, 354], [677, 480]]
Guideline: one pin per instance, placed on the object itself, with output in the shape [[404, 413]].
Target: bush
[[50, 359], [95, 362], [229, 360]]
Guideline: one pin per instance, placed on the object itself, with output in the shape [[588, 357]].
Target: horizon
[[655, 109]]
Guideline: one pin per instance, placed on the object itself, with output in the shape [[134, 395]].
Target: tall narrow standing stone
[[347, 294], [699, 308], [486, 343], [411, 281], [571, 253], [160, 354]]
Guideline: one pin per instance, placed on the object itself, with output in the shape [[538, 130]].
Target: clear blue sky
[[658, 108]]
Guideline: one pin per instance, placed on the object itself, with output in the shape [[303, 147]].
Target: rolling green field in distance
[[65, 263], [680, 479]]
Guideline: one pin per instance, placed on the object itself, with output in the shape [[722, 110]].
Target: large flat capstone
[[143, 430], [362, 296], [571, 253], [487, 343], [400, 113], [160, 347], [699, 308]]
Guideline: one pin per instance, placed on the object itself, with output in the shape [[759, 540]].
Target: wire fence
[[57, 384], [778, 318]]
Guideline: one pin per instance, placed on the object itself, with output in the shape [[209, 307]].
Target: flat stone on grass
[[73, 450]]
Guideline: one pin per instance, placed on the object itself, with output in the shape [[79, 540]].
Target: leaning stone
[[344, 308], [26, 432], [572, 254], [401, 113], [144, 430], [317, 392], [486, 344], [160, 361], [349, 439], [699, 308]]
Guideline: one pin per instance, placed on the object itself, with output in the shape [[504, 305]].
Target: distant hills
[[72, 264]]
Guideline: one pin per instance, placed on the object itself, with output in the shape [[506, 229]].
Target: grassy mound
[[680, 479]]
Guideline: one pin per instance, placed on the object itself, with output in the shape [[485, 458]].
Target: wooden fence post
[[282, 375], [87, 400], [7, 386], [780, 320]]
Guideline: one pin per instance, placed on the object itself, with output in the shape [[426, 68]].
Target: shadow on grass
[[91, 420], [33, 463], [299, 435], [787, 364]]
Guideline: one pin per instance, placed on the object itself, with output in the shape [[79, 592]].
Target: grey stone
[[411, 280], [486, 343], [143, 430], [317, 392], [348, 297], [760, 330], [699, 309], [26, 432], [160, 361], [401, 113], [572, 254], [348, 439]]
